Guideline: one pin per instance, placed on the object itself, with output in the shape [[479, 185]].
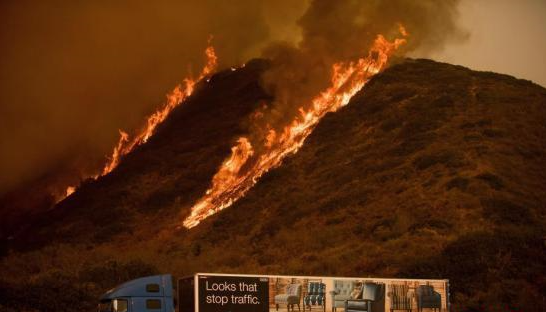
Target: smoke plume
[[343, 44], [341, 31], [74, 72]]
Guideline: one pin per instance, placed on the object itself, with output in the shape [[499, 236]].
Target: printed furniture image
[[341, 293], [400, 298], [315, 295], [370, 299], [428, 298], [291, 297]]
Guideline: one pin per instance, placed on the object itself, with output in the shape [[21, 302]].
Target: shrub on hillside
[[457, 182], [111, 273], [54, 291], [492, 180], [413, 144], [504, 212], [59, 291], [490, 271], [448, 158]]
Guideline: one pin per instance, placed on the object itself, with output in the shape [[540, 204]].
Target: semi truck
[[216, 292]]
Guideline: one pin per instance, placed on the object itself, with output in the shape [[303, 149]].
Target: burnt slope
[[432, 170]]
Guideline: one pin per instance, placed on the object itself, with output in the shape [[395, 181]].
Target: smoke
[[343, 44], [336, 31], [74, 72], [505, 38]]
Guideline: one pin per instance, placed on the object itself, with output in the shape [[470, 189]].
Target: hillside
[[432, 170], [173, 169]]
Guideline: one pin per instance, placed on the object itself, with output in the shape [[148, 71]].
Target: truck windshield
[[116, 305]]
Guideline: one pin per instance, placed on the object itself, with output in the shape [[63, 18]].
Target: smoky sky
[[344, 31], [74, 72], [504, 36]]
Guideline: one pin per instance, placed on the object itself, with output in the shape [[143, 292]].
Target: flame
[[125, 144], [177, 96], [116, 154], [70, 190], [241, 170], [402, 30], [228, 175]]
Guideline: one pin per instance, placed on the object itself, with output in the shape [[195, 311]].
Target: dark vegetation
[[432, 171], [171, 171], [58, 290]]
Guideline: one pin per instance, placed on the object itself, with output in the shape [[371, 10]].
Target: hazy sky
[[74, 72], [506, 36]]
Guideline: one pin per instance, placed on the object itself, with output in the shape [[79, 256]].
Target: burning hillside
[[177, 96], [335, 153], [431, 170], [303, 93], [339, 47], [244, 167], [18, 209]]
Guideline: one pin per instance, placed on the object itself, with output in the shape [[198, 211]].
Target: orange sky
[[506, 36]]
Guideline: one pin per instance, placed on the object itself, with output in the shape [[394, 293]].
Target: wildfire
[[126, 144], [243, 168], [177, 96]]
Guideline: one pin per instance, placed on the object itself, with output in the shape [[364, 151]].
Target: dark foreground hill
[[432, 171]]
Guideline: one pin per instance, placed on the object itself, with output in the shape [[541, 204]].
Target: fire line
[[231, 183], [177, 96]]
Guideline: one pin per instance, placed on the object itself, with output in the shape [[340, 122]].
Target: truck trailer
[[216, 292]]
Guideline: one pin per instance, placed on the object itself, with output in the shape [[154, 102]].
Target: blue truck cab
[[147, 294]]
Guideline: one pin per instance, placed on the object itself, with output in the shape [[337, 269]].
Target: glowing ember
[[243, 168], [70, 190]]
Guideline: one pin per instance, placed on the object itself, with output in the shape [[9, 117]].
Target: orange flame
[[117, 153], [70, 190], [402, 30], [125, 145], [177, 96], [241, 171]]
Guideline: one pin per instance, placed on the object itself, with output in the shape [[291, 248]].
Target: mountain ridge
[[432, 170]]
